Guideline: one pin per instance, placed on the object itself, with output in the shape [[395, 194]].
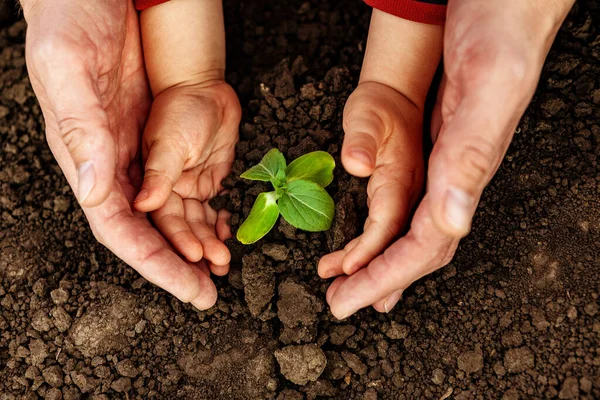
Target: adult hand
[[494, 52], [86, 67]]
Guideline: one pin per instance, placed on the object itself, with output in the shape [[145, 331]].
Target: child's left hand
[[188, 147]]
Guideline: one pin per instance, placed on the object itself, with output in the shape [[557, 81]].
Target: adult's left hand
[[494, 52]]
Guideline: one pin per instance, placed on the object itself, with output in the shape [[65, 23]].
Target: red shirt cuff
[[143, 4], [413, 10]]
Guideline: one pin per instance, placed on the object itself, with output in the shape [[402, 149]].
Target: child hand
[[188, 147], [383, 122]]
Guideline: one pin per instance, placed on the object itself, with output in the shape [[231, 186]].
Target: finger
[[392, 192], [334, 287], [170, 220], [137, 243], [364, 130], [222, 226], [203, 302], [332, 264], [164, 165], [489, 84], [214, 250], [82, 125], [467, 153], [203, 266], [219, 270], [223, 232], [387, 304], [424, 249]]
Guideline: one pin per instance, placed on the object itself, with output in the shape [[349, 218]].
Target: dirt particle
[[591, 309], [277, 252], [438, 376], [339, 333], [471, 361], [354, 363], [519, 360], [370, 394], [344, 225], [121, 385], [41, 322], [102, 371], [397, 331], [259, 284], [61, 204], [336, 368], [40, 287], [38, 352], [53, 394], [296, 306], [127, 368], [62, 320], [569, 388], [85, 383], [289, 394], [512, 339], [59, 296], [53, 376], [301, 364]]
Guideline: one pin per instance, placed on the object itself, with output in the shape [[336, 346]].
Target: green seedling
[[299, 194]]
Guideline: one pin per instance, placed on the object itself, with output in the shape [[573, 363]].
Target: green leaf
[[307, 206], [268, 168], [261, 219], [315, 167]]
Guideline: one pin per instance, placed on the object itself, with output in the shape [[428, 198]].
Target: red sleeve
[[143, 4], [424, 11]]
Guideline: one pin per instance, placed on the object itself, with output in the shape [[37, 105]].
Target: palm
[[200, 123]]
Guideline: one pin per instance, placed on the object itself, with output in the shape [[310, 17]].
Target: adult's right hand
[[86, 67]]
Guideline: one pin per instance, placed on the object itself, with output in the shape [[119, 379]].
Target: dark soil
[[514, 316]]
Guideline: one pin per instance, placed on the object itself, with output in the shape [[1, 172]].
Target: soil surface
[[515, 315]]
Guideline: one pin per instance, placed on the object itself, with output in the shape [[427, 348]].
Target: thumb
[[84, 129], [364, 129], [466, 155], [164, 157]]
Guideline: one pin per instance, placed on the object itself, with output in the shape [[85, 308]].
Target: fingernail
[[459, 206], [391, 301], [142, 195], [344, 316], [86, 180], [362, 156]]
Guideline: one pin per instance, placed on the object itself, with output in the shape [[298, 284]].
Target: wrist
[[200, 80], [184, 42]]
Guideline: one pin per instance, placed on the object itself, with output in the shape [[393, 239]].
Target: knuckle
[[477, 160], [71, 133]]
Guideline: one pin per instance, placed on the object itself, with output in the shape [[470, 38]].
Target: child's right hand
[[188, 148]]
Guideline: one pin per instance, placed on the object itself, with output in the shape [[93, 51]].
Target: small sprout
[[299, 194]]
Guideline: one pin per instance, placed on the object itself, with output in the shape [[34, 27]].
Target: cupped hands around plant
[[86, 67], [299, 194]]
